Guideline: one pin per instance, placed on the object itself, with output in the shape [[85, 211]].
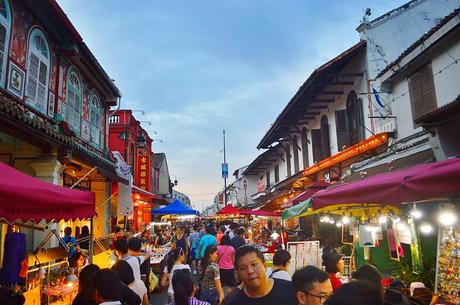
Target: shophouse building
[[55, 99]]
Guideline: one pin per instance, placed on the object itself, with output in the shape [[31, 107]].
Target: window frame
[[304, 141], [355, 118], [71, 88], [295, 148], [287, 149], [415, 81], [95, 127], [42, 59], [325, 140], [7, 23]]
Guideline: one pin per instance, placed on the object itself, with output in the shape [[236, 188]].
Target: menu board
[[304, 253]]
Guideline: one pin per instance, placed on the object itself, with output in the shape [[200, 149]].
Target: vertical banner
[[224, 170], [125, 200], [143, 172]]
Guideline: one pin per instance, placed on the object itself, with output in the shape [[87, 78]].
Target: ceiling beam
[[318, 107], [313, 112], [324, 100], [331, 92], [343, 74], [333, 83]]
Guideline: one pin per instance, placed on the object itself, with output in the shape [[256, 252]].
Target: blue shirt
[[207, 240]]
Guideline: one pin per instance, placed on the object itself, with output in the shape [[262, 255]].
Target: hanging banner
[[143, 178], [68, 181], [225, 170], [125, 200]]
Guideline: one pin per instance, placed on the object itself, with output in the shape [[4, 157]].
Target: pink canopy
[[420, 182], [229, 210], [260, 213], [25, 198], [311, 190]]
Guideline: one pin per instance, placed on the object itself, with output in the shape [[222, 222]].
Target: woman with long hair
[[77, 261], [209, 277], [84, 234], [225, 262], [184, 289], [126, 274], [85, 286], [175, 262]]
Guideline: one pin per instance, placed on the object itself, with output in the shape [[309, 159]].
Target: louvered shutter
[[421, 92], [41, 92], [2, 50], [341, 124], [70, 108], [325, 144], [316, 144], [32, 76]]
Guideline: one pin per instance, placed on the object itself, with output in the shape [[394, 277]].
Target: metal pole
[[225, 179], [91, 239]]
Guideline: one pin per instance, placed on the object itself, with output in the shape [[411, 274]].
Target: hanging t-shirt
[[282, 293]]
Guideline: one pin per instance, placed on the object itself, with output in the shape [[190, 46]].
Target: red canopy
[[420, 182], [260, 213], [25, 198], [229, 210], [311, 190]]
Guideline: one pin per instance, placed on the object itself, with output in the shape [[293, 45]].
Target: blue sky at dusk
[[197, 67]]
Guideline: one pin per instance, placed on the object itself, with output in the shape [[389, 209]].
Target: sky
[[197, 67]]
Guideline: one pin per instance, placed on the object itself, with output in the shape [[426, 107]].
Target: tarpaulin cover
[[175, 208], [420, 182], [229, 210], [24, 198], [298, 209]]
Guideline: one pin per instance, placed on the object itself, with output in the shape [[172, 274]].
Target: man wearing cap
[[333, 264]]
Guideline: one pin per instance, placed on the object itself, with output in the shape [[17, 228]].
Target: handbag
[[153, 281]]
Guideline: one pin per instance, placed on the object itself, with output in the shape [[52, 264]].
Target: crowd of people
[[219, 264]]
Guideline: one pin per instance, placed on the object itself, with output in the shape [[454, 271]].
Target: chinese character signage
[[143, 172]]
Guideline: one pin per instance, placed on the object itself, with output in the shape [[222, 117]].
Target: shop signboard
[[68, 181], [304, 253], [143, 172]]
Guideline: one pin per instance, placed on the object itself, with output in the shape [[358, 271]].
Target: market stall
[[27, 201], [367, 211]]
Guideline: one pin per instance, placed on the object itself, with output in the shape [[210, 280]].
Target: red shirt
[[335, 281]]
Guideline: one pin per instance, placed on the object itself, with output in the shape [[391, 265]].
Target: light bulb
[[338, 224], [447, 218], [416, 214], [396, 219], [331, 220], [345, 220], [426, 228], [382, 219]]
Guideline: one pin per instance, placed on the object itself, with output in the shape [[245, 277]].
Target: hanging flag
[[377, 97]]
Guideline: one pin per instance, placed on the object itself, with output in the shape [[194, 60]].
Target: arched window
[[295, 147], [288, 160], [74, 100], [325, 144], [5, 30], [38, 70], [355, 118], [95, 119], [304, 147]]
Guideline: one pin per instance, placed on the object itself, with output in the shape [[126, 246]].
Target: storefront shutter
[[343, 138], [325, 144]]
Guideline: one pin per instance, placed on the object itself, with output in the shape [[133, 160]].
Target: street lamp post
[[225, 173]]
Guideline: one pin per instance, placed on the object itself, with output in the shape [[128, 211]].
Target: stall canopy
[[25, 198], [229, 210], [260, 213], [311, 190], [420, 182], [175, 208]]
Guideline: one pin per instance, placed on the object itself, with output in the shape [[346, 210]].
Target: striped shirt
[[194, 301]]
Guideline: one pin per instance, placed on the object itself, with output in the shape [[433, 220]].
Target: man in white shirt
[[121, 249], [107, 287], [281, 261]]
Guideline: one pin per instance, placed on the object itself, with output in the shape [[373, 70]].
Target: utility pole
[[225, 173]]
